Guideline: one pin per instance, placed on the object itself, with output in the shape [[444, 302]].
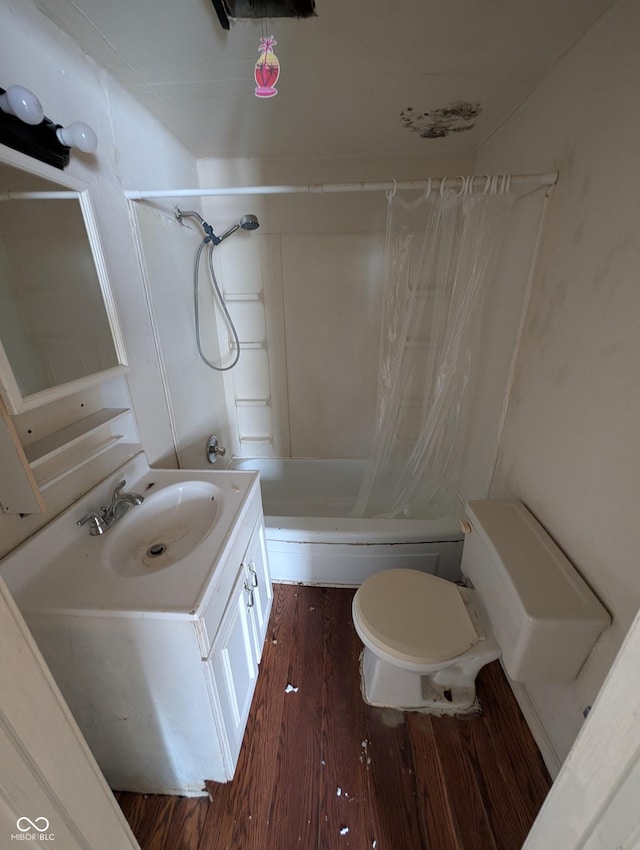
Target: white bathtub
[[311, 538]]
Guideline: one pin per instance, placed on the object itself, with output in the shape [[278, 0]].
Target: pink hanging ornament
[[267, 68]]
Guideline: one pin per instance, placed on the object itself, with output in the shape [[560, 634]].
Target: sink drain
[[156, 550]]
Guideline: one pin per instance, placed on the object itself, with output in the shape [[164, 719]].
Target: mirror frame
[[9, 390]]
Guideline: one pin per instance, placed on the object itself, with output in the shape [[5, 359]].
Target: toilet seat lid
[[414, 615]]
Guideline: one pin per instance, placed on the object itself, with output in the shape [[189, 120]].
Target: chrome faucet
[[120, 504]]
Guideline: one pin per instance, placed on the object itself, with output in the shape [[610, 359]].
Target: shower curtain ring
[[391, 193], [487, 183], [463, 186]]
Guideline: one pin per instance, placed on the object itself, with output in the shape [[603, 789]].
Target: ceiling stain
[[457, 117]]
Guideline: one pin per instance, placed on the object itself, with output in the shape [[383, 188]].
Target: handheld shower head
[[249, 222]]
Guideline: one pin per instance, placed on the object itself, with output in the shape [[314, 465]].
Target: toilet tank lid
[[547, 583]]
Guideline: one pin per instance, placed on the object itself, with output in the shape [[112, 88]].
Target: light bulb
[[19, 101], [78, 135]]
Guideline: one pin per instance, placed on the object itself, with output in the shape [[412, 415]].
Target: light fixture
[[21, 102], [226, 9], [78, 135], [25, 127]]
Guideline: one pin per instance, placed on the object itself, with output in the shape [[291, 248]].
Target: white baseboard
[[548, 752]]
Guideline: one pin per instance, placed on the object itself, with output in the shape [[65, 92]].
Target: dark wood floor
[[320, 770]]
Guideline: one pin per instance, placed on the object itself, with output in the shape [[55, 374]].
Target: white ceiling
[[346, 75]]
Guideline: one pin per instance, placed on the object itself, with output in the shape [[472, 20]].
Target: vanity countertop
[[63, 569]]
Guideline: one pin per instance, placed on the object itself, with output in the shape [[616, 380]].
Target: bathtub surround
[[320, 248], [306, 293]]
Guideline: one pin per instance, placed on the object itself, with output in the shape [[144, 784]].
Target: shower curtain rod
[[39, 196], [327, 188]]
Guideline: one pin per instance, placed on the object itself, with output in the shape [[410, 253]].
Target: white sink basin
[[168, 526], [167, 548]]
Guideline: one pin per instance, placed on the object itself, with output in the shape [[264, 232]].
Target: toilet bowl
[[425, 640]]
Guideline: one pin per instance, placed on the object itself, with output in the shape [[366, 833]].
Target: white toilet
[[426, 638]]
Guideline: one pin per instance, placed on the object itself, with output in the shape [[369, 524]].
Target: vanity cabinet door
[[235, 668], [258, 586]]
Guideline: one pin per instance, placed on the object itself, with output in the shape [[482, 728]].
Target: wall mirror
[[58, 326]]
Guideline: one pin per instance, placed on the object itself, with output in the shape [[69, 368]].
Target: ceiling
[[356, 79]]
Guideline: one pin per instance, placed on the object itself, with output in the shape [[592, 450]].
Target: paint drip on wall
[[267, 68], [457, 117]]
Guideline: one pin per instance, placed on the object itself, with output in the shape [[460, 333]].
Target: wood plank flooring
[[320, 770]]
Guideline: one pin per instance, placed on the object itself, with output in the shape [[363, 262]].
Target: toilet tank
[[544, 616]]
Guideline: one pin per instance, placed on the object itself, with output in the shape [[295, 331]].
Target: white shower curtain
[[440, 252]]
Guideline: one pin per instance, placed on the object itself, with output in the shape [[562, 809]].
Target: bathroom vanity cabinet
[[163, 696], [231, 666]]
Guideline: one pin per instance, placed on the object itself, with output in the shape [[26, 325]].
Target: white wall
[[197, 392], [570, 445], [134, 151]]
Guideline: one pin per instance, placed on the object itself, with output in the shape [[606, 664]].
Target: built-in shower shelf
[[242, 296], [248, 345], [253, 402], [65, 438]]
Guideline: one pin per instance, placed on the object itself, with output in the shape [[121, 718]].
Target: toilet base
[[448, 691]]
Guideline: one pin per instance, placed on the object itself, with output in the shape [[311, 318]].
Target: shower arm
[[210, 235]]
